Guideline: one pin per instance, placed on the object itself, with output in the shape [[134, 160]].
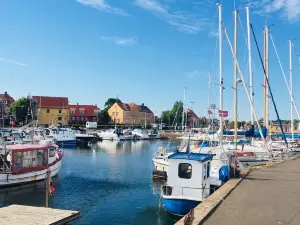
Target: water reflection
[[109, 183]]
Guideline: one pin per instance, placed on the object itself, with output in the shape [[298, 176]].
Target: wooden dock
[[25, 215]]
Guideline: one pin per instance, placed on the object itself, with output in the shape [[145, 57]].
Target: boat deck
[[25, 215]]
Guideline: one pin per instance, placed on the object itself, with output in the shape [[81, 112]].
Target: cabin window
[[205, 171], [48, 110], [185, 170], [52, 152], [29, 159], [208, 169]]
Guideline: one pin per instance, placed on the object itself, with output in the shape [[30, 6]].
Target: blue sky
[[144, 51]]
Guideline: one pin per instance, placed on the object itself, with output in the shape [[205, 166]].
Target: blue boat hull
[[179, 207], [66, 143]]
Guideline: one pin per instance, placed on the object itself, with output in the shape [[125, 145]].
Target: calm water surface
[[109, 183]]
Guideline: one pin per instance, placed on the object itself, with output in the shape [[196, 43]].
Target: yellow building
[[52, 110], [130, 114]]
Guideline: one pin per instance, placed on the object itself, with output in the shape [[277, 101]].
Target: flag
[[209, 112], [223, 113]]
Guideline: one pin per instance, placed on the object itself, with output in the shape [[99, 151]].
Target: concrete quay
[[269, 195]]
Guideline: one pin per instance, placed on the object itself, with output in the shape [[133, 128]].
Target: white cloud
[[13, 62], [183, 20], [289, 9], [192, 74], [103, 6], [120, 40]]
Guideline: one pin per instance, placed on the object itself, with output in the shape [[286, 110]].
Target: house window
[[117, 113], [185, 170], [48, 110], [113, 113], [59, 118], [72, 111], [73, 117], [59, 111], [82, 118], [94, 118], [77, 117], [86, 118], [81, 112], [118, 120]]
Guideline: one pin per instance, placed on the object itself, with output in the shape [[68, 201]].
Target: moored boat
[[188, 182], [22, 163]]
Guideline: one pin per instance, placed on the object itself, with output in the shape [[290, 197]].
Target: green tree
[[103, 117], [110, 102], [176, 113], [19, 109]]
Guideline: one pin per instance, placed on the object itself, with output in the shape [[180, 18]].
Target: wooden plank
[[25, 215]]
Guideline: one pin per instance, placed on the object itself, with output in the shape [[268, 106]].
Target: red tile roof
[[143, 108], [89, 110], [124, 106], [52, 102], [191, 113], [6, 97], [140, 108]]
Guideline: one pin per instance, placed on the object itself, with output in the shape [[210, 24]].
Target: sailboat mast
[[221, 70], [266, 65], [209, 81], [250, 65], [235, 79], [184, 93], [291, 89]]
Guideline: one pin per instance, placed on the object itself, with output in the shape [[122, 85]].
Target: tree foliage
[[173, 117], [110, 102], [19, 109], [103, 116]]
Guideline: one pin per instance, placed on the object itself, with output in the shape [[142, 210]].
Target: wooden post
[[47, 188]]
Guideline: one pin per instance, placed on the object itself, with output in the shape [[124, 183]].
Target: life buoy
[[51, 187]]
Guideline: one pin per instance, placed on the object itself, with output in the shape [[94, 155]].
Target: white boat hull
[[8, 179]]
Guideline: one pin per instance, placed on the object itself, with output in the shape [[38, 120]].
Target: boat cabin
[[188, 176], [19, 159]]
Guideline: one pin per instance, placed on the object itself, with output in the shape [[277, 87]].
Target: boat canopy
[[192, 156]]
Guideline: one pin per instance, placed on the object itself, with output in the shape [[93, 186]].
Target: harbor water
[[109, 183]]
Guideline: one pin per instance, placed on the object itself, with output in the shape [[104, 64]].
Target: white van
[[91, 125]]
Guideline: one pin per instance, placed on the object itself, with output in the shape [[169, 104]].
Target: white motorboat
[[112, 135], [28, 162], [141, 133], [188, 182], [63, 136]]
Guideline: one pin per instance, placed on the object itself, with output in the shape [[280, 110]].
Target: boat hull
[[179, 207], [8, 179], [66, 143]]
